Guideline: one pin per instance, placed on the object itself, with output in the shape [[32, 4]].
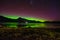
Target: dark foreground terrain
[[29, 34]]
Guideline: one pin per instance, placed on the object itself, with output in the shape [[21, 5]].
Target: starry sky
[[47, 9]]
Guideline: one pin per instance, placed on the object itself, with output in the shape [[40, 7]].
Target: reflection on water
[[36, 25], [31, 25]]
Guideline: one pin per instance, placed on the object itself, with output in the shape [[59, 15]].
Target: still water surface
[[31, 25]]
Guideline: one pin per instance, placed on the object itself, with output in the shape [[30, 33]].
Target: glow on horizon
[[28, 18], [12, 17], [36, 19]]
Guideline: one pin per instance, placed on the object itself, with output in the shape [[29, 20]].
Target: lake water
[[31, 25]]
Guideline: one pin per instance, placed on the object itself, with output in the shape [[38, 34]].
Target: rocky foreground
[[29, 34]]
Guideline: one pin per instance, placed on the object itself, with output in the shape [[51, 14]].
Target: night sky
[[47, 9]]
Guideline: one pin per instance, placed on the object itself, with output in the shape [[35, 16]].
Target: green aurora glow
[[32, 25], [28, 18]]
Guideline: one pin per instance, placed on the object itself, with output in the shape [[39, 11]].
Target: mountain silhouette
[[22, 20], [5, 19], [19, 20]]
